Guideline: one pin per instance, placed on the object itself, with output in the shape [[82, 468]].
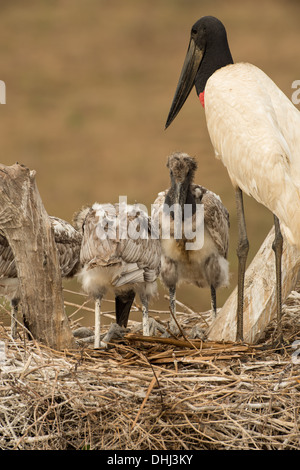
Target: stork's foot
[[172, 331], [198, 333], [154, 328], [115, 332], [83, 332], [83, 335]]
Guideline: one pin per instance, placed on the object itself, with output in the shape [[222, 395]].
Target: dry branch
[[26, 225]]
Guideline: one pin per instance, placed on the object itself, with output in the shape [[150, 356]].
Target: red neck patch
[[201, 98]]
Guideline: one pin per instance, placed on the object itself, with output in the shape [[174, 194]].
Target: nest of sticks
[[155, 394]]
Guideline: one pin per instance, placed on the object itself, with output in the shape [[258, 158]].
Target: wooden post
[[25, 223], [260, 293]]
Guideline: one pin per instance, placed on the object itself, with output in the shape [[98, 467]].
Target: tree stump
[[259, 295], [25, 223]]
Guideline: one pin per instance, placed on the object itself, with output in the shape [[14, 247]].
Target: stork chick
[[206, 266], [118, 255]]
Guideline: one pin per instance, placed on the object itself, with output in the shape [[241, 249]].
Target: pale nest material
[[164, 394]]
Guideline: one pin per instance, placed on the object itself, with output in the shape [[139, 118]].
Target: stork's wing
[[157, 210], [68, 243], [7, 262], [115, 237], [216, 217], [258, 144], [142, 245], [99, 242], [64, 232]]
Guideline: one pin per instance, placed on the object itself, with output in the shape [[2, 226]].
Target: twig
[[152, 383], [180, 329], [188, 309]]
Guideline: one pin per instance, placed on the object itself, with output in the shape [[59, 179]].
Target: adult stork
[[254, 129], [204, 265], [68, 242], [118, 254]]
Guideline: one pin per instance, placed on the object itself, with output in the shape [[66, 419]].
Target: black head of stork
[[182, 168], [208, 51]]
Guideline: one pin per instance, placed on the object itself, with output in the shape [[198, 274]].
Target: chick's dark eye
[[194, 31]]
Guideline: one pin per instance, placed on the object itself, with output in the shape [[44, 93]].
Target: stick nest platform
[[153, 394]]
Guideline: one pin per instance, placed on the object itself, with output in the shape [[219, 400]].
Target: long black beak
[[186, 80]]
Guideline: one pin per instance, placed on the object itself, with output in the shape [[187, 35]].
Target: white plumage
[[203, 267], [118, 255], [68, 242], [255, 131]]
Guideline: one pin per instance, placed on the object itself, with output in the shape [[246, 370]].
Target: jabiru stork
[[118, 255], [203, 266], [254, 130]]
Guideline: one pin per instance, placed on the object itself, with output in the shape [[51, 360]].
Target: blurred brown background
[[88, 89]]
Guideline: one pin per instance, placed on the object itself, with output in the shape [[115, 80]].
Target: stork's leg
[[14, 312], [242, 253], [97, 342], [277, 247], [146, 327], [172, 295], [213, 296]]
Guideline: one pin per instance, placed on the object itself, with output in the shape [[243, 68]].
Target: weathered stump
[[260, 293], [25, 223]]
